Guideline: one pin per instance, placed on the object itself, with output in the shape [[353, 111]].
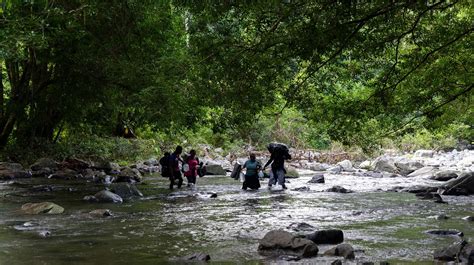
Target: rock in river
[[344, 250], [338, 189], [12, 171], [458, 252], [318, 178], [125, 190], [197, 257], [107, 196], [330, 236], [463, 185], [279, 242], [42, 207]]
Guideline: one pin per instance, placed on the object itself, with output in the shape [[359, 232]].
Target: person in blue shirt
[[251, 176]]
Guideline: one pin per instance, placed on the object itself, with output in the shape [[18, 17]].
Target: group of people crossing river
[[192, 167]]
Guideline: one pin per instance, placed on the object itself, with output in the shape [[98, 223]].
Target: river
[[158, 228]]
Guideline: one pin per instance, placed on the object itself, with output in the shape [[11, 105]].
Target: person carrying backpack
[[165, 171], [193, 165], [173, 165], [278, 154]]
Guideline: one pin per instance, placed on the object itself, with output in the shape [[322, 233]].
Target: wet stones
[[12, 171], [343, 250], [452, 232], [318, 178], [279, 242], [338, 189], [104, 196], [41, 208], [460, 251], [463, 185], [214, 169], [304, 188], [445, 175], [330, 236], [130, 175]]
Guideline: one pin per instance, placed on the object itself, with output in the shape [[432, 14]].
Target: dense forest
[[229, 73]]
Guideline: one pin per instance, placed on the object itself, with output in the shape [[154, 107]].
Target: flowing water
[[158, 228]]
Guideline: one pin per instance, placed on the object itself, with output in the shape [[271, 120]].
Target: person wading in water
[[193, 164], [251, 176], [175, 173], [279, 153]]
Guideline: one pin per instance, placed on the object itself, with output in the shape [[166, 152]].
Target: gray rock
[[468, 218], [107, 196], [463, 185], [301, 189], [318, 178], [385, 164], [125, 190], [407, 167], [130, 175], [279, 242], [319, 167], [346, 165], [75, 164], [331, 236], [451, 252], [368, 165], [445, 175], [343, 250], [338, 189], [451, 232], [41, 208], [336, 262], [336, 169], [424, 172], [12, 171], [419, 189]]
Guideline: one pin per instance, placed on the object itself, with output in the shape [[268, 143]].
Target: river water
[[158, 228]]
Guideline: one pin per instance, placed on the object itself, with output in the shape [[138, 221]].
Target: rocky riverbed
[[395, 208]]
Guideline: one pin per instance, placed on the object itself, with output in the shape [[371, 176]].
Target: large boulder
[[107, 196], [424, 172], [445, 175], [214, 169], [125, 190], [346, 165], [343, 250], [130, 175], [330, 236], [41, 208], [12, 171], [385, 164], [406, 167], [102, 164], [75, 164], [44, 163], [463, 185], [279, 242], [459, 251]]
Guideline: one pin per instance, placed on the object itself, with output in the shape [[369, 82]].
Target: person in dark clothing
[[173, 164], [164, 162], [251, 175], [277, 159]]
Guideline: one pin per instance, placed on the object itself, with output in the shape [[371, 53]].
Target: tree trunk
[[2, 89]]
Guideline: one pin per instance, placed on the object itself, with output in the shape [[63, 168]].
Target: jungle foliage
[[304, 72]]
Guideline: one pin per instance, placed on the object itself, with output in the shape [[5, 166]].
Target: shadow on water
[[162, 225]]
